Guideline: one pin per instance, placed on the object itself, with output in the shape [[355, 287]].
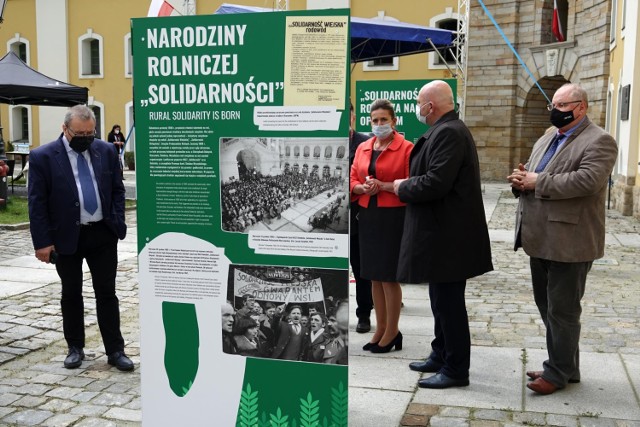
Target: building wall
[[504, 109], [625, 72], [411, 11]]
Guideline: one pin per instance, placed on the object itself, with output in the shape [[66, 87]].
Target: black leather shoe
[[425, 366], [74, 358], [120, 361], [442, 381], [364, 325]]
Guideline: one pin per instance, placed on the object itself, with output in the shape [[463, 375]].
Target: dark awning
[[21, 84]]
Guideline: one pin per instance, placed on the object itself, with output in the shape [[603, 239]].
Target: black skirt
[[380, 231]]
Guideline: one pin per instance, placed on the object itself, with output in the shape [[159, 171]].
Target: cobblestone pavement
[[35, 389]]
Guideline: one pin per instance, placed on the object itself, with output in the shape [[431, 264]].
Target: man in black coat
[[364, 299], [446, 240]]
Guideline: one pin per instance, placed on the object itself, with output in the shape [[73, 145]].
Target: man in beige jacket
[[560, 225]]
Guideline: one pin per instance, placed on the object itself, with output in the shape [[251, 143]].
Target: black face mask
[[561, 118], [80, 143]]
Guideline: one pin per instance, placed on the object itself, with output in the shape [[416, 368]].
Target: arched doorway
[[533, 121]]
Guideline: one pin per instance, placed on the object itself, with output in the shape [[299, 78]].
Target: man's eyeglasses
[[560, 105], [85, 134]]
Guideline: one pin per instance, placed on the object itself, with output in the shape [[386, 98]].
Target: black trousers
[[452, 343], [99, 246], [364, 299], [558, 288]]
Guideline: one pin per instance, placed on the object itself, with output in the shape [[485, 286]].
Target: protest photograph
[[284, 184], [286, 313]]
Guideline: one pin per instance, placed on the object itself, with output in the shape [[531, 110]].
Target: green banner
[[242, 173], [402, 94]]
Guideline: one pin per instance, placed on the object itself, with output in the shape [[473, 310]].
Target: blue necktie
[[550, 152], [86, 183]]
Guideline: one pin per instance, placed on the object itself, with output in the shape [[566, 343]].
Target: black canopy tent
[[22, 85]]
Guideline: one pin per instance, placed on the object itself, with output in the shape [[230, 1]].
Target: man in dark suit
[[364, 300], [289, 334], [446, 236], [560, 225], [76, 212]]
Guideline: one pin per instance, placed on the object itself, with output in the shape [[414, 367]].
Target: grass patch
[[16, 211]]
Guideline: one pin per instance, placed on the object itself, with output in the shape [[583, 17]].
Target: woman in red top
[[378, 162]]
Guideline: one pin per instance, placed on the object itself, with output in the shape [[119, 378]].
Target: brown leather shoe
[[542, 386], [534, 375]]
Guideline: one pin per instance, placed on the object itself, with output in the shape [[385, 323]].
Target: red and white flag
[[160, 8], [556, 26]]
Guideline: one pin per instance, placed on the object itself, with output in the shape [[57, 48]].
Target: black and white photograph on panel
[[284, 184], [287, 313]]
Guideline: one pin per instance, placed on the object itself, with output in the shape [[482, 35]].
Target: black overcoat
[[445, 235]]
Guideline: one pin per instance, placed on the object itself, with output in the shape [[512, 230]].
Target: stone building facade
[[505, 110]]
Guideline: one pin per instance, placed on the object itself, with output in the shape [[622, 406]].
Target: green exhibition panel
[[242, 129], [402, 94]]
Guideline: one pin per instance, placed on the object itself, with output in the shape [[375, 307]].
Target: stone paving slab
[[34, 275], [604, 390], [365, 372], [495, 382], [371, 407]]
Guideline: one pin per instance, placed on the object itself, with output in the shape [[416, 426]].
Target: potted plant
[[130, 160]]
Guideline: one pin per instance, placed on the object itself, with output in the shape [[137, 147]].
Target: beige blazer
[[563, 219]]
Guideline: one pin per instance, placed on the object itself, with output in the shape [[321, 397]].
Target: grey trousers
[[558, 288]]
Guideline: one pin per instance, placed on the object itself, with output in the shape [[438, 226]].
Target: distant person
[[446, 239], [117, 139], [314, 345], [246, 337], [337, 349], [247, 308], [364, 300], [560, 225], [228, 342], [378, 163], [78, 222]]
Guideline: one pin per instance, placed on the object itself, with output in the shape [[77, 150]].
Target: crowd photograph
[[286, 313], [283, 185]]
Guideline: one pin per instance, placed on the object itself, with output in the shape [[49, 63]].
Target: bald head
[[439, 96]]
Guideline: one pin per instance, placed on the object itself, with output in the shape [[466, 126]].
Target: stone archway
[[248, 164], [532, 121]]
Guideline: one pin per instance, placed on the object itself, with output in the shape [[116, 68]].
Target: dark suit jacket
[[313, 351], [445, 237], [284, 332], [563, 219], [54, 204]]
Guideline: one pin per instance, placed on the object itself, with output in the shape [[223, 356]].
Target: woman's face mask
[[382, 131]]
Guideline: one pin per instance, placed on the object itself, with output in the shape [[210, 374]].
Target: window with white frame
[[20, 117], [128, 56], [98, 111], [607, 124], [382, 64], [90, 55], [446, 21], [130, 133], [20, 46]]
